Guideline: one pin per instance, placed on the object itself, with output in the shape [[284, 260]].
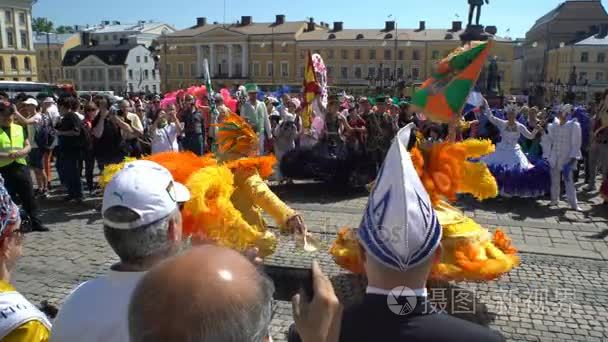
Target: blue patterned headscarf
[[9, 212]]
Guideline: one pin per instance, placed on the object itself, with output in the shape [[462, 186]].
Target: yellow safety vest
[[14, 143]]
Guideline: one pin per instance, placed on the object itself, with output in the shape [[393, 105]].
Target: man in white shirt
[[143, 225], [562, 146], [256, 114]]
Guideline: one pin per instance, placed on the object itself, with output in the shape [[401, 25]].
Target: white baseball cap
[[148, 189], [400, 228], [31, 101]]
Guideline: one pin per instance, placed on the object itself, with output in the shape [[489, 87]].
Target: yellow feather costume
[[228, 195], [470, 252]]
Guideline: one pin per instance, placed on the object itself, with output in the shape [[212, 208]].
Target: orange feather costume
[[228, 194], [470, 252]]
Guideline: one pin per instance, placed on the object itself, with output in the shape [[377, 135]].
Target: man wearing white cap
[[143, 225], [400, 237]]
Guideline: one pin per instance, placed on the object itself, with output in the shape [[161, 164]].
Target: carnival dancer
[[21, 320], [531, 147], [380, 130], [194, 127], [516, 176], [562, 146], [256, 114], [598, 155]]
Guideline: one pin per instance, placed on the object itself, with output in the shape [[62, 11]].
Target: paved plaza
[[558, 293]]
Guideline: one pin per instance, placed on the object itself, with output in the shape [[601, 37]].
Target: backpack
[[86, 136], [45, 134]]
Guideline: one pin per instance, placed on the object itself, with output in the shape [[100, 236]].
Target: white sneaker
[[577, 208], [553, 203]]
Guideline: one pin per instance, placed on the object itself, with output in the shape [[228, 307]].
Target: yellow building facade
[[273, 54], [17, 54], [50, 51], [581, 67]]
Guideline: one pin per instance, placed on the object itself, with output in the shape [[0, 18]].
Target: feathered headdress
[[235, 136]]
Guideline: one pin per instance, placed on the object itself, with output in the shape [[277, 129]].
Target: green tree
[[42, 25], [64, 29]]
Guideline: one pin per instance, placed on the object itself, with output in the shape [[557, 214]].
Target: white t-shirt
[[165, 139], [97, 310], [31, 129]]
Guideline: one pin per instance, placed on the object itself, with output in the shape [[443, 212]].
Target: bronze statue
[[473, 4]]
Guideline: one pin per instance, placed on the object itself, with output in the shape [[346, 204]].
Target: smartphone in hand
[[288, 281]]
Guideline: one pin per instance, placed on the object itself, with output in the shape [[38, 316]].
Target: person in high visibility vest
[[13, 165], [21, 320]]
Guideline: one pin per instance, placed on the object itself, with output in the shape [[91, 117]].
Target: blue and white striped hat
[[400, 228]]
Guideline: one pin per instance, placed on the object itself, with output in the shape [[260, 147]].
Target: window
[[416, 55], [371, 72], [358, 72], [154, 88], [256, 69], [21, 18], [115, 37], [1, 64], [130, 75], [146, 74], [582, 76], [23, 36], [284, 69], [387, 72], [168, 69], [415, 73], [192, 70], [111, 75], [401, 55], [372, 54], [153, 74], [56, 54], [601, 57], [27, 65], [85, 75], [269, 69], [10, 40], [180, 70], [584, 57], [8, 17], [330, 71], [100, 74], [131, 87], [137, 59], [300, 71], [41, 53], [435, 54], [106, 37], [145, 59], [302, 54], [344, 54], [599, 76], [388, 54], [344, 72], [330, 54], [147, 88], [399, 72], [14, 64]]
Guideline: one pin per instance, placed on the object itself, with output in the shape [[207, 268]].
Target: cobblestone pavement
[[558, 293]]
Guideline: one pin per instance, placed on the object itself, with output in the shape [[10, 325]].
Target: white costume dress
[[515, 175], [561, 145]]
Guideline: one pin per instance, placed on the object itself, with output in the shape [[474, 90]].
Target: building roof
[[593, 40], [251, 29], [109, 54], [127, 27], [381, 34], [54, 38]]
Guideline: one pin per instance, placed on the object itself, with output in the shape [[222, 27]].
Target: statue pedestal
[[474, 32]]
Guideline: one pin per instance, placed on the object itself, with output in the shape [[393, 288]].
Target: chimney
[[456, 26], [77, 28], [86, 38], [389, 26], [422, 26], [580, 35], [338, 26], [603, 31], [280, 19], [246, 20], [116, 22], [105, 22], [594, 29], [201, 21], [311, 25]]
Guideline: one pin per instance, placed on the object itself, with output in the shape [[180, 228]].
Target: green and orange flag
[[442, 97]]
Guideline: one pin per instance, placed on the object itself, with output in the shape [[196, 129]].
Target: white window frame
[[269, 69], [256, 69], [284, 63]]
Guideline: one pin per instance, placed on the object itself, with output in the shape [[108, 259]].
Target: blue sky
[[516, 15]]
